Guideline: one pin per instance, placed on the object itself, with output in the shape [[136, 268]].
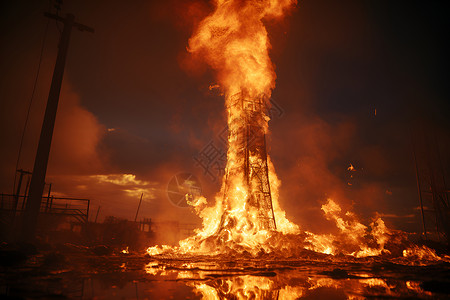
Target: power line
[[30, 103], [57, 6]]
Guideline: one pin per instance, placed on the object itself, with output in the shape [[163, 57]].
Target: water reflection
[[138, 277], [254, 287], [286, 281]]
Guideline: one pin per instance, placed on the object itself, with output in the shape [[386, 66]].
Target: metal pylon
[[250, 138]]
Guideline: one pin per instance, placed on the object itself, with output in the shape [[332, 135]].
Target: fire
[[353, 238], [420, 255], [234, 42], [246, 216]]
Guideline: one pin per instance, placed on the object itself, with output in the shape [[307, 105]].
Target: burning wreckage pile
[[247, 217]]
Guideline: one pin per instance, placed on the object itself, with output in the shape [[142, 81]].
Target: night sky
[[356, 83]]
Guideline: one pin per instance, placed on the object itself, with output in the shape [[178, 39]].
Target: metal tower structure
[[248, 135]]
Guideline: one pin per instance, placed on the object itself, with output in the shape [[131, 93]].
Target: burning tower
[[247, 170], [234, 42]]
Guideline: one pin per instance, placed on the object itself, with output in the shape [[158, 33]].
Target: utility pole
[[96, 216], [139, 206], [40, 164]]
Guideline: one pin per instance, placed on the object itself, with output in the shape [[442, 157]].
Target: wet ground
[[82, 273]]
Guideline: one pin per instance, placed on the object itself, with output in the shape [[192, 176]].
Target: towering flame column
[[234, 42]]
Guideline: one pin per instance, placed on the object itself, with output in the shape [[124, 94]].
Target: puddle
[[85, 276]]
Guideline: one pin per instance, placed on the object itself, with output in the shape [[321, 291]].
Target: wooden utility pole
[[40, 164], [139, 206], [96, 216]]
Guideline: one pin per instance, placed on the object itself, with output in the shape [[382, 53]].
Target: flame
[[125, 251], [420, 255], [233, 41], [353, 238]]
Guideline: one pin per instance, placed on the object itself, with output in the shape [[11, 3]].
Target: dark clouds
[[336, 62]]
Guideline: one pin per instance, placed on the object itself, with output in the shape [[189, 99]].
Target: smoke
[[326, 160], [76, 138]]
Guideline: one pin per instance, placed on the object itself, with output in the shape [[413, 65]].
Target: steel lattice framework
[[248, 134]]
